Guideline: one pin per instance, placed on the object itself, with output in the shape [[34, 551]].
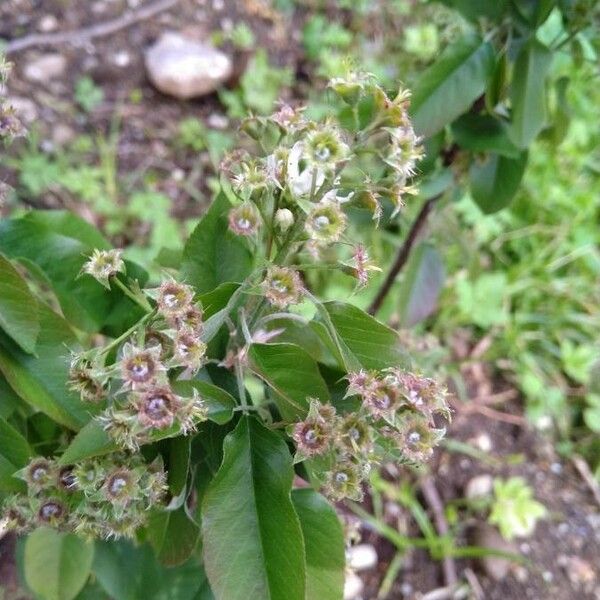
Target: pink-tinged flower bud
[[188, 350], [311, 437], [120, 425], [39, 474], [51, 512], [326, 222], [244, 219], [415, 438], [140, 367], [282, 286], [190, 320], [174, 299], [157, 407], [191, 413], [343, 481], [104, 264], [361, 265], [284, 219], [383, 400], [361, 383]]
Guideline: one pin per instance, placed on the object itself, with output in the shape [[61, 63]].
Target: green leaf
[[41, 380], [528, 92], [323, 543], [293, 375], [372, 344], [495, 181], [18, 308], [483, 133], [173, 535], [474, 11], [449, 87], [13, 446], [93, 441], [422, 284], [213, 255], [131, 572], [217, 299], [57, 565], [252, 539], [57, 243]]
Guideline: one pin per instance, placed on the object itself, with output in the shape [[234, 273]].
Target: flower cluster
[[300, 193], [136, 388], [107, 497], [10, 125], [395, 418]]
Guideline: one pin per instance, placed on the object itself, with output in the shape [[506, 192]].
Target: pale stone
[[353, 586], [45, 68], [479, 487], [184, 68], [361, 557]]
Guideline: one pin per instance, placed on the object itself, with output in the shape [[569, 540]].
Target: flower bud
[[244, 219], [343, 481], [282, 286], [140, 366], [39, 474], [284, 219], [104, 264], [174, 299], [51, 512], [326, 222], [157, 407]]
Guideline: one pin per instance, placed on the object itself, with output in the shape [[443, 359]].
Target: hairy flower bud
[[174, 299], [189, 350], [51, 512], [326, 222], [157, 407], [140, 367], [244, 219], [120, 487], [343, 481], [282, 286], [325, 148], [104, 264]]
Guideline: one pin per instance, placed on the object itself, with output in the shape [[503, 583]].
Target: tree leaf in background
[[131, 572], [496, 180], [58, 242], [57, 565], [323, 545], [527, 92], [173, 535], [448, 88], [483, 133], [13, 446], [473, 11], [373, 344], [421, 285], [213, 255], [292, 373], [532, 13], [41, 380], [18, 308], [252, 539]]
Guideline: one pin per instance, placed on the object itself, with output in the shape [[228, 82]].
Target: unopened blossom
[[361, 383], [51, 512], [324, 148], [282, 286], [38, 474], [120, 486], [104, 264], [314, 435], [343, 481], [284, 219], [174, 299], [86, 380], [404, 151], [326, 222], [244, 219], [354, 433], [415, 438], [252, 179], [191, 413], [140, 367], [157, 407], [350, 87], [383, 400], [289, 119], [189, 350]]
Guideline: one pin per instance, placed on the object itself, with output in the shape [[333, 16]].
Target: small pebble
[[45, 68], [361, 557], [556, 468], [484, 442], [479, 487], [47, 23], [353, 586]]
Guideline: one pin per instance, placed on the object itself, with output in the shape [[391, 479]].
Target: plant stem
[[125, 335], [403, 253], [140, 301]]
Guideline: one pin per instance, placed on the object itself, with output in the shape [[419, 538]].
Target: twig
[[497, 415], [587, 476], [403, 253], [474, 584], [79, 36], [434, 501]]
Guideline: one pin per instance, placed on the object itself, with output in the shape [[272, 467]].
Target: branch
[[79, 36], [403, 253], [434, 501]]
